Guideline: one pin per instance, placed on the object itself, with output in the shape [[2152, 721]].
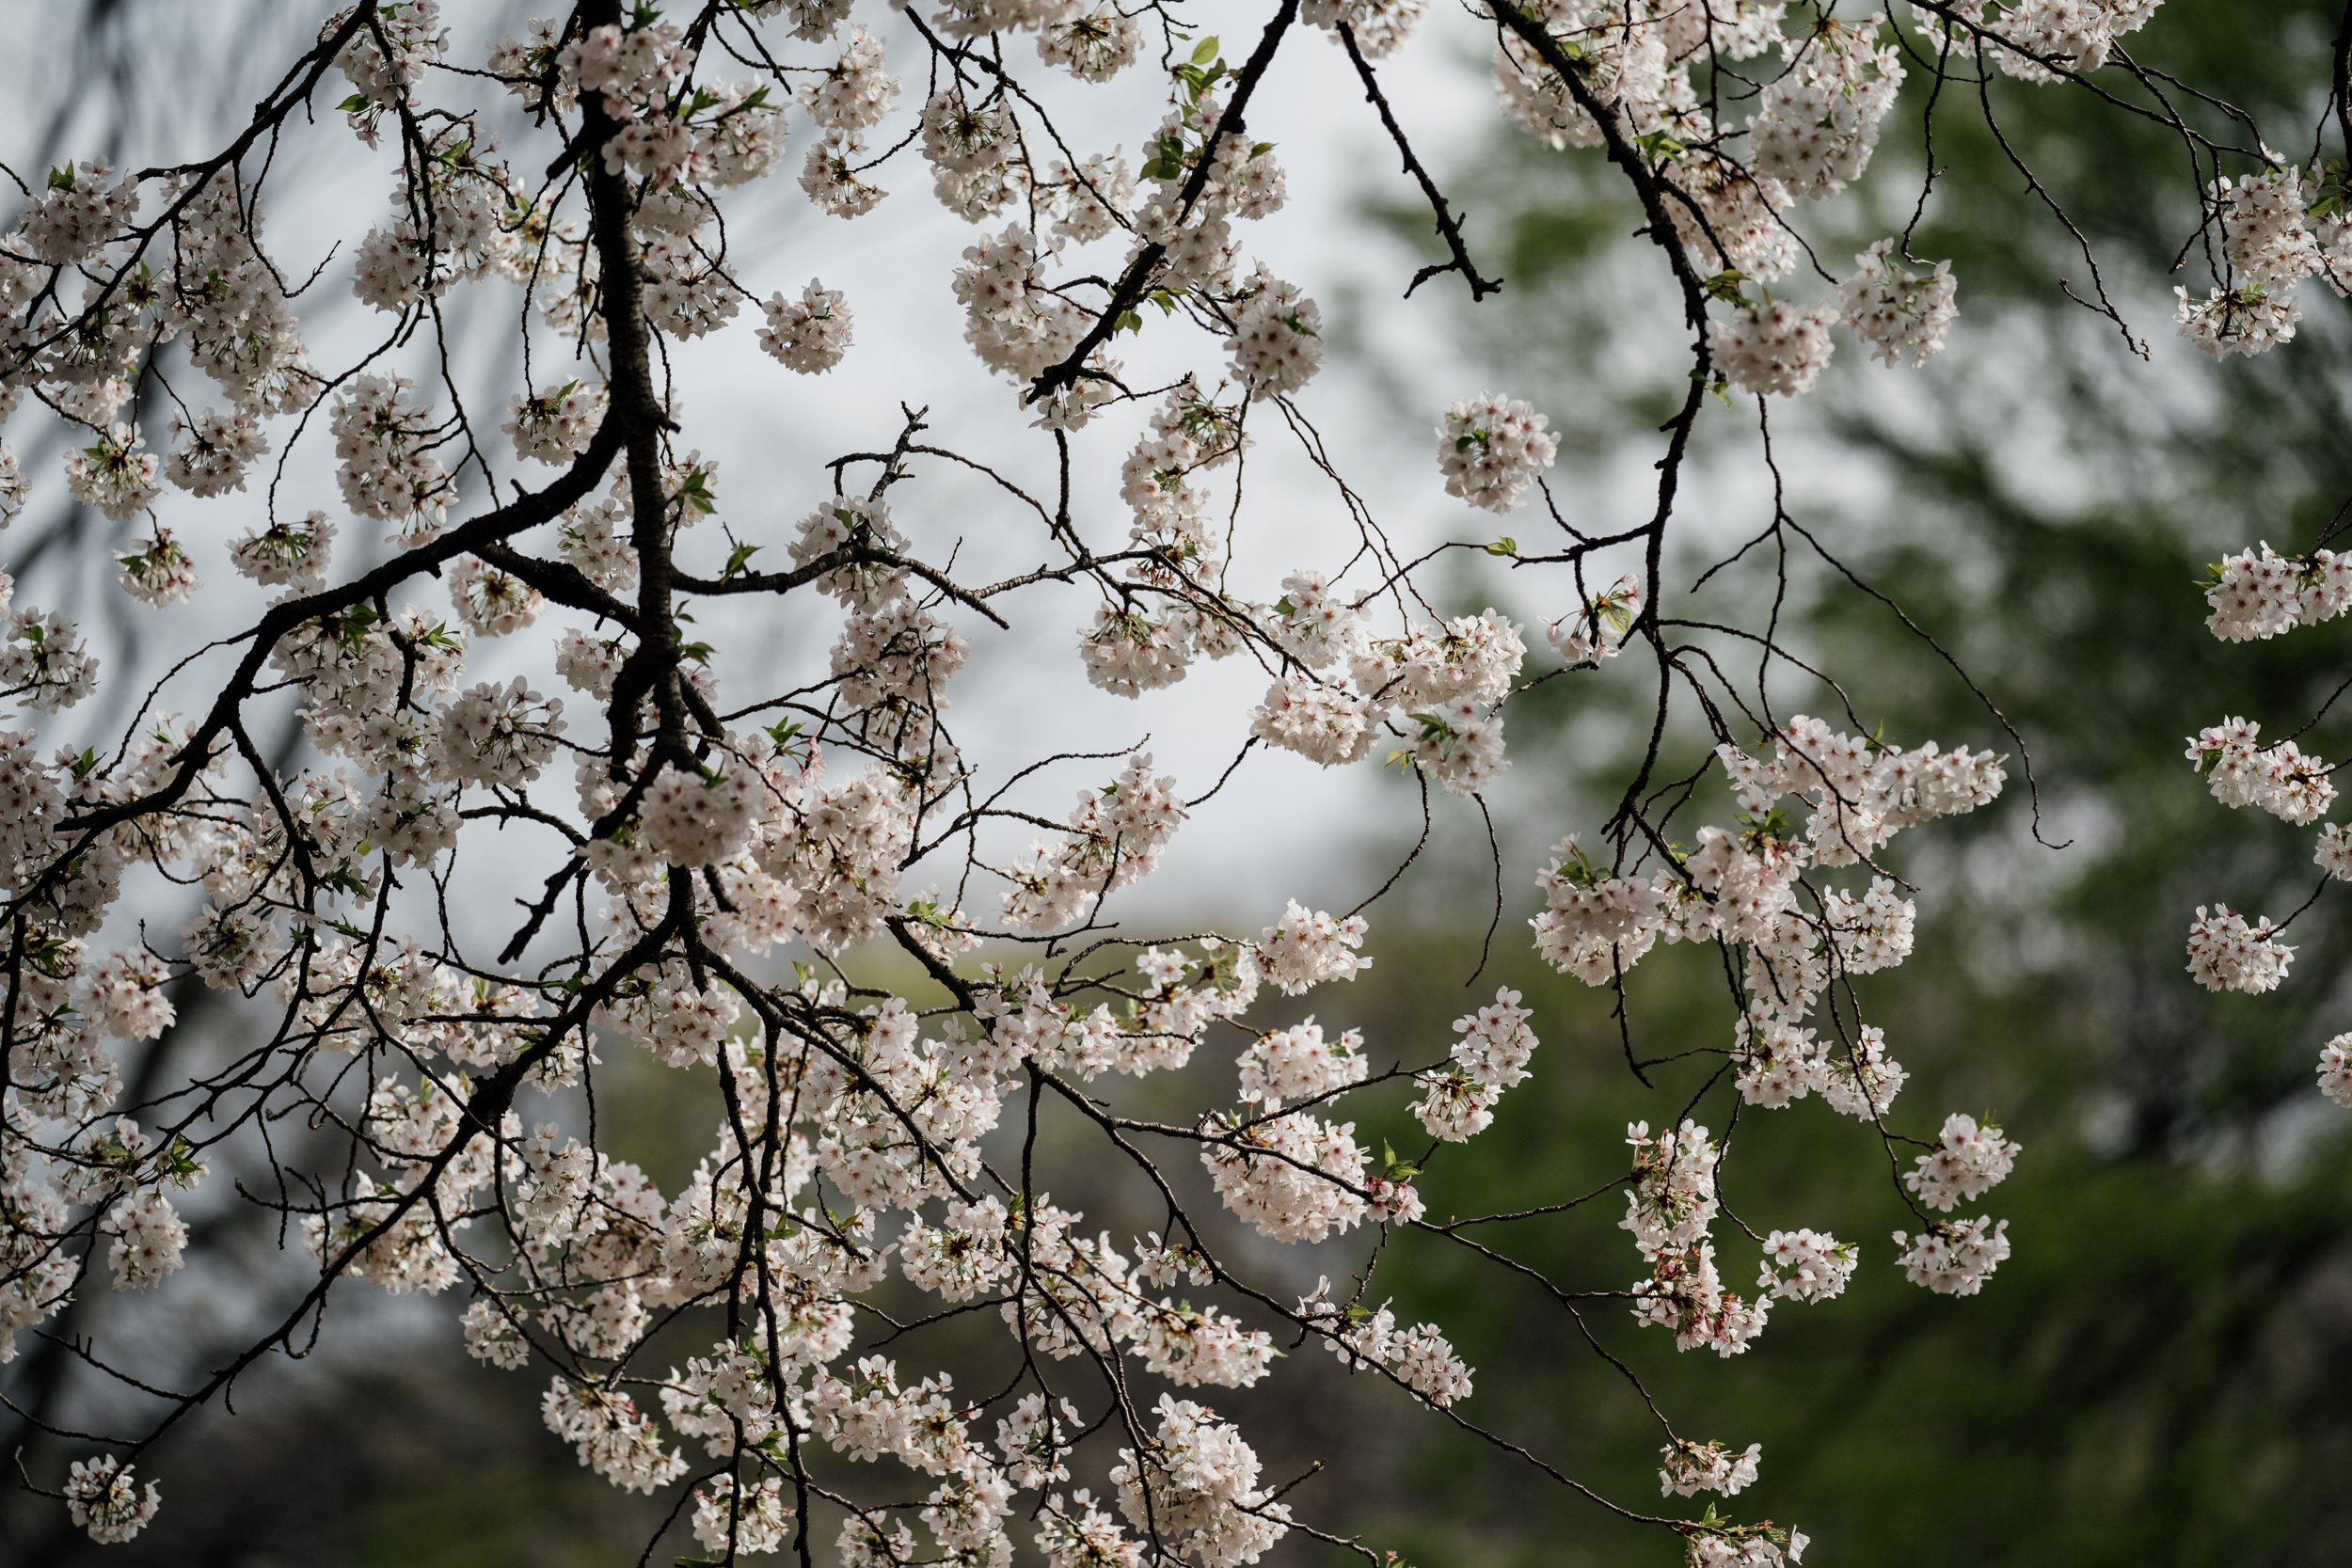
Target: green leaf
[[357, 103], [1506, 545], [1205, 50]]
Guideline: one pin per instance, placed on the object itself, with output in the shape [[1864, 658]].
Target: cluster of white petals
[[1967, 1162], [2259, 594], [1903, 315], [106, 1502], [1695, 1467], [1954, 1257], [1490, 448], [2280, 778], [2225, 953], [809, 334], [1772, 347]]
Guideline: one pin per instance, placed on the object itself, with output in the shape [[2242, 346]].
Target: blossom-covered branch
[[786, 880]]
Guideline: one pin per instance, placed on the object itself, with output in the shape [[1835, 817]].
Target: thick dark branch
[[651, 667], [470, 538]]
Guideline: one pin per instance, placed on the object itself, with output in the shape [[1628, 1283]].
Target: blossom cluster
[[2275, 230], [1727, 188]]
